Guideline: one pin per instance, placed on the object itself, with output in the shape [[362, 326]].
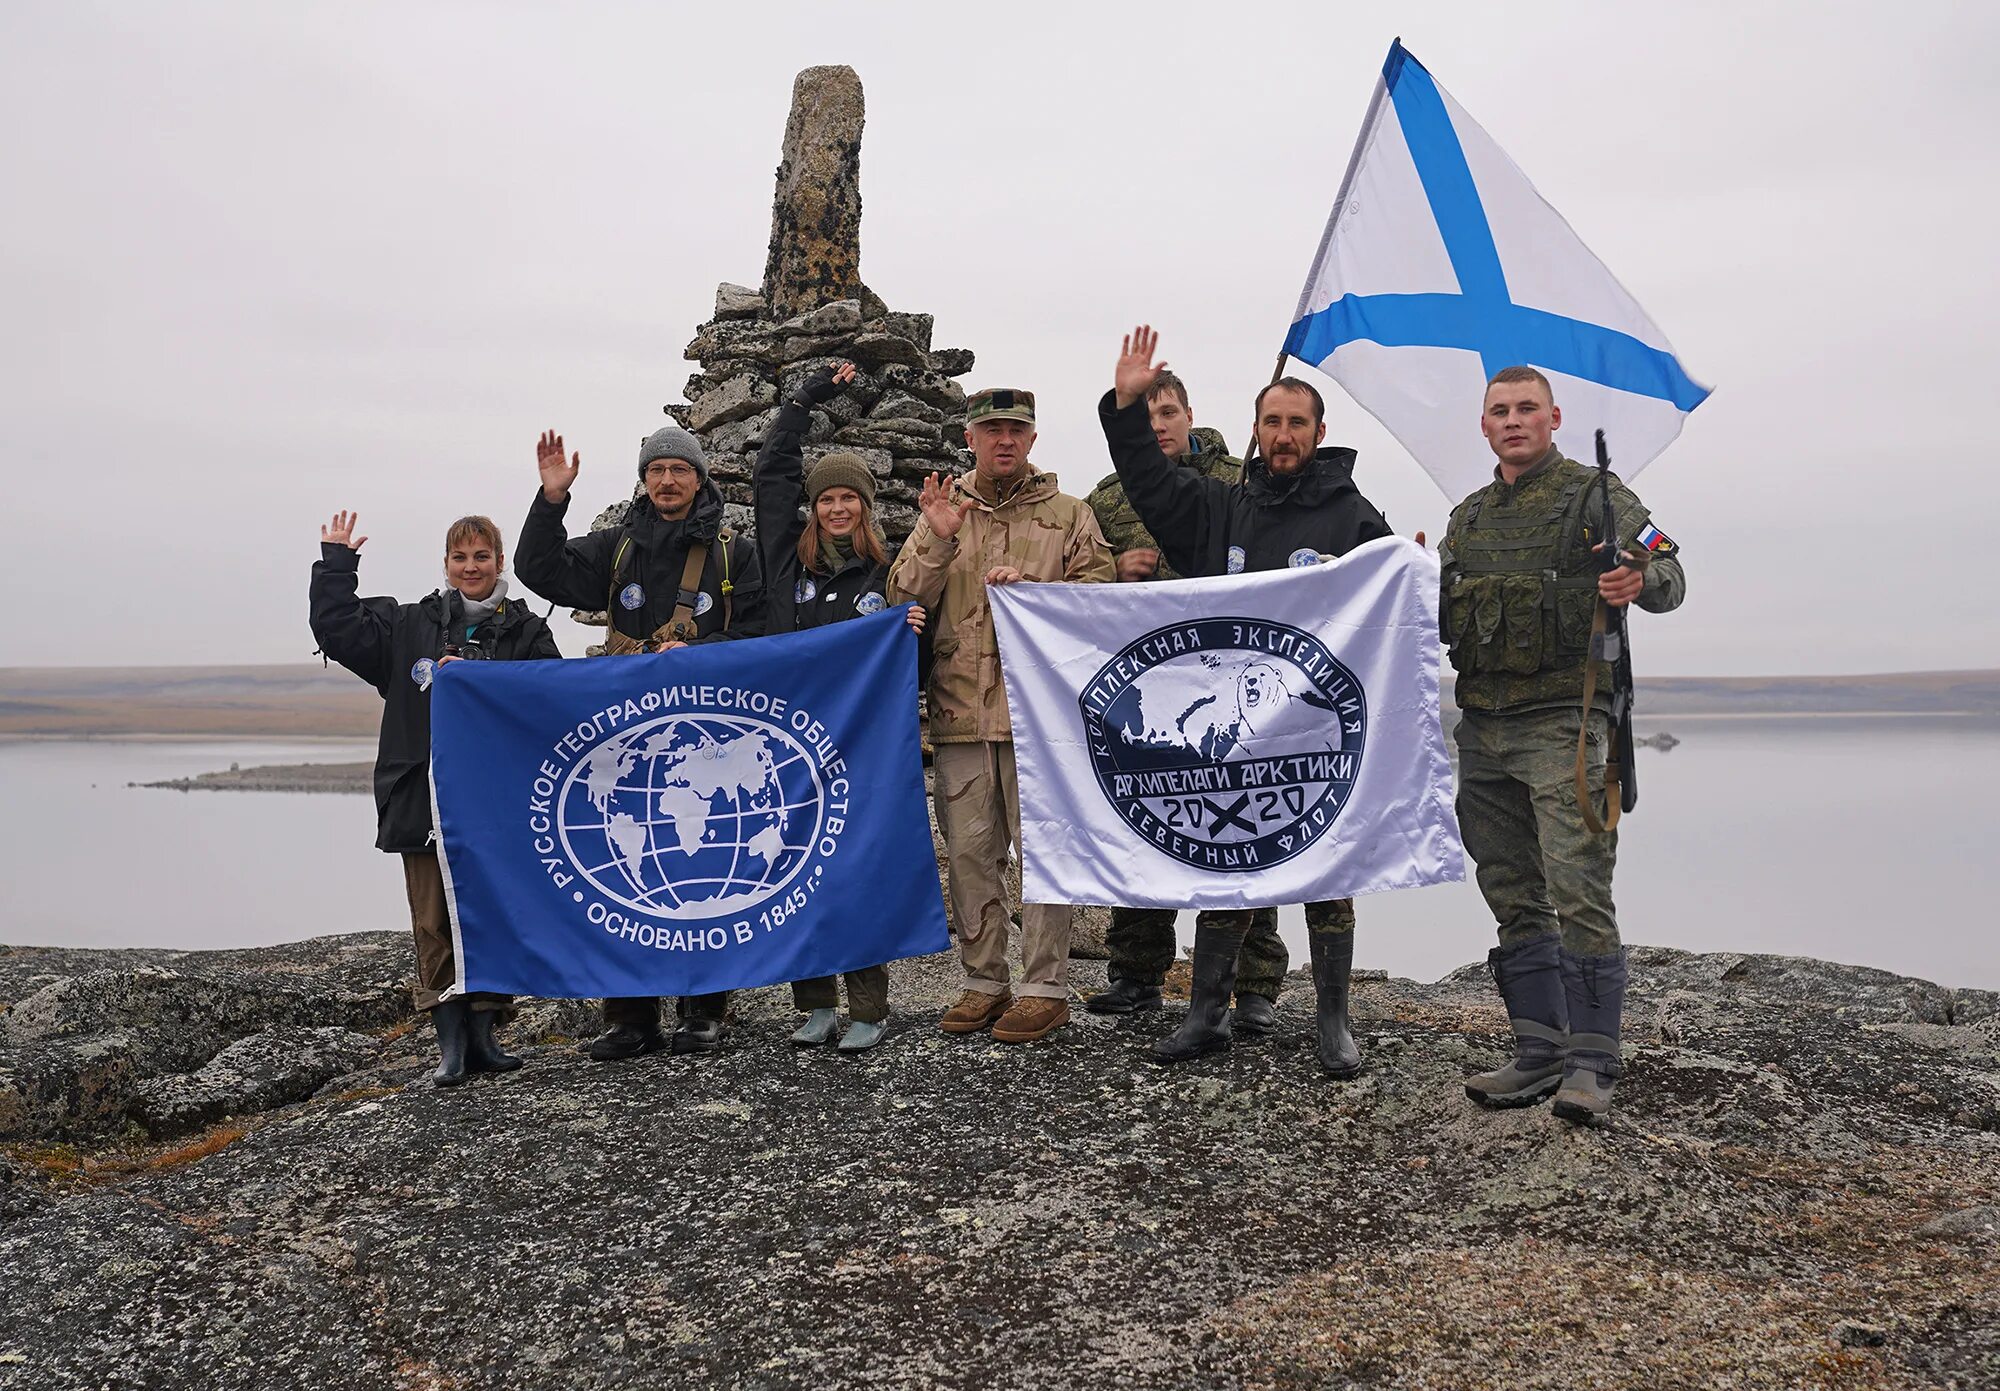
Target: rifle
[[1609, 649]]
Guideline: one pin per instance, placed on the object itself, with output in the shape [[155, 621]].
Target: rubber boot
[[1206, 1028], [698, 1036], [1529, 977], [863, 1034], [1125, 996], [818, 1030], [1333, 962], [482, 1052], [1255, 1014], [1595, 986], [448, 1018]]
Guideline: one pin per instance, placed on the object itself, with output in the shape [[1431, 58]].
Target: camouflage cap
[[1000, 403]]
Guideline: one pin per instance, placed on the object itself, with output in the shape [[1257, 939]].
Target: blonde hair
[[468, 527]]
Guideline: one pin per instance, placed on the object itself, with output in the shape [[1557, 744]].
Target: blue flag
[[720, 816]]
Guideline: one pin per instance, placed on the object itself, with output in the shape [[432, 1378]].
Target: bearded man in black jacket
[[671, 576], [1295, 503]]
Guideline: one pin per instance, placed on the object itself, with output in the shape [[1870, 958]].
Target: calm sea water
[[1857, 840]]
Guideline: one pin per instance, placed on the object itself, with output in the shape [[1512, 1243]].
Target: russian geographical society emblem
[[690, 803], [1228, 743]]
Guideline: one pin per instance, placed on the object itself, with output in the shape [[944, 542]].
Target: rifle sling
[[1613, 780]]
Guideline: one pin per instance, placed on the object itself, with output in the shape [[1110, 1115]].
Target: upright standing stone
[[815, 253]]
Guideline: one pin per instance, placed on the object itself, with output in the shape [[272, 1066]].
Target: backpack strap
[[680, 628]]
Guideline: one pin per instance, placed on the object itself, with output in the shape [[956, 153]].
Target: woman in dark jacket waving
[[397, 649], [824, 561]]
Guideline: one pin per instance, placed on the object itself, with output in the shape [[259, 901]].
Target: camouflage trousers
[[430, 925], [979, 813], [1540, 868], [1142, 946]]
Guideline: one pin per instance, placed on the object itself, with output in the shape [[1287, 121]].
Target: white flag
[[1235, 742], [1441, 265]]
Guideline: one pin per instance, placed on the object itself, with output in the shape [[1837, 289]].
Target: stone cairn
[[903, 413]]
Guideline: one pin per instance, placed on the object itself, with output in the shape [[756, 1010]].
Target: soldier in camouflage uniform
[[1520, 585], [1141, 940], [1002, 523]]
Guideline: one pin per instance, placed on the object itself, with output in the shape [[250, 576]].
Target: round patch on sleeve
[[870, 603], [703, 602], [1236, 559], [1304, 555], [631, 596], [423, 673]]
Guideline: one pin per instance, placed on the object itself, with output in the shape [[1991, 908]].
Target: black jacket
[[577, 573], [1269, 518], [394, 648], [800, 596]]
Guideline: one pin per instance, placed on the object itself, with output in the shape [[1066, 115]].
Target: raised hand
[[557, 474], [340, 531], [826, 385], [942, 515], [1136, 369]]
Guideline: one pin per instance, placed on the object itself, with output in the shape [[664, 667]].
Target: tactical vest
[[1521, 586]]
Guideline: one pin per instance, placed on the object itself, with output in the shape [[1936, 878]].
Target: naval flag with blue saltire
[[723, 815], [1231, 742], [1441, 265]]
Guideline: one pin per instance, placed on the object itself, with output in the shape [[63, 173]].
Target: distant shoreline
[[308, 702]]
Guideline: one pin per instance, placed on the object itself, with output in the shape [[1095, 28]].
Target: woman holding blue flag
[[397, 649], [824, 562]]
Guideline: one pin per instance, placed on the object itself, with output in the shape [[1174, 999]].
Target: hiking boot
[[1030, 1018], [1333, 962], [1584, 1097], [622, 1041], [1206, 1028], [1125, 996], [974, 1011], [862, 1035], [698, 1036], [482, 1052], [448, 1018], [1595, 987], [1529, 977], [819, 1029], [1256, 1014]]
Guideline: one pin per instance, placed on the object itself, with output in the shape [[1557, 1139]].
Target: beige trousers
[[979, 812]]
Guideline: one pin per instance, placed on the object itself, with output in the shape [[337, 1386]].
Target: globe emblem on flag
[[1230, 744], [692, 816]]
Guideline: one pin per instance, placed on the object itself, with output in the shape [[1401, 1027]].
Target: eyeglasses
[[677, 469]]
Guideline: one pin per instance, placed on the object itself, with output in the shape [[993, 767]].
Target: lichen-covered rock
[[280, 1065], [735, 399], [739, 302], [77, 1051], [1765, 1209], [815, 249], [914, 327], [952, 362]]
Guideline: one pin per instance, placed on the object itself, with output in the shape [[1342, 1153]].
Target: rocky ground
[[247, 1181]]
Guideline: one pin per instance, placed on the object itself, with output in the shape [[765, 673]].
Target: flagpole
[[1277, 375]]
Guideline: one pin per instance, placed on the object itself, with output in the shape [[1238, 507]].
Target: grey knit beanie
[[672, 442], [840, 471]]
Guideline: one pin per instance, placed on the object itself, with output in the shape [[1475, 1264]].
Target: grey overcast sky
[[263, 261]]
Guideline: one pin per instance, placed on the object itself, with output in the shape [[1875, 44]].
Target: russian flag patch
[[1655, 540]]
